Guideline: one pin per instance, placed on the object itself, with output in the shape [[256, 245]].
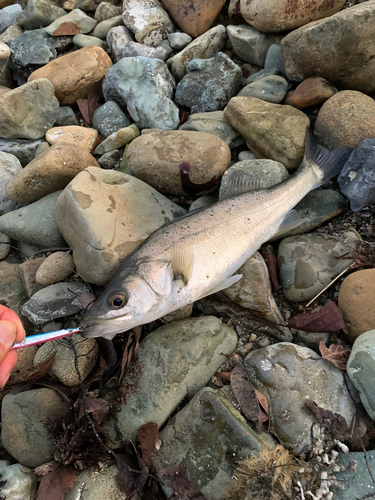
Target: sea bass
[[197, 254]]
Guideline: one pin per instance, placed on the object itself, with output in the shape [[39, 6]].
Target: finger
[[9, 315], [7, 333], [6, 365]]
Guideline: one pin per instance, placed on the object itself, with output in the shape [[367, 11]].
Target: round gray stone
[[270, 88]]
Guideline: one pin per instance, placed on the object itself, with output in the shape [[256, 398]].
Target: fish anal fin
[[291, 220], [182, 262], [239, 183], [222, 285]]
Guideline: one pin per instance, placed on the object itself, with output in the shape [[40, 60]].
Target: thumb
[[7, 333]]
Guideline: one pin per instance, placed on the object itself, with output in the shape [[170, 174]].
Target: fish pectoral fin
[[240, 183], [182, 262], [291, 220], [222, 285]]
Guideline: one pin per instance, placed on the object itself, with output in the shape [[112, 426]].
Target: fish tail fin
[[324, 163]]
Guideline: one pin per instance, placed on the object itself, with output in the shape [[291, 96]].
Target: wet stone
[[205, 46], [269, 88], [179, 40], [208, 84], [274, 59], [66, 117], [69, 351], [110, 160], [81, 41], [287, 375], [71, 24], [357, 178], [249, 44], [263, 73], [118, 139], [214, 123], [24, 430], [172, 363], [307, 263], [55, 301], [109, 118], [35, 223], [134, 49], [17, 481], [145, 87], [207, 438], [355, 476], [361, 369], [23, 149], [117, 38], [38, 13], [8, 16], [9, 168]]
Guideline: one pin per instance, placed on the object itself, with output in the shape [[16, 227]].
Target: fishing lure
[[41, 338]]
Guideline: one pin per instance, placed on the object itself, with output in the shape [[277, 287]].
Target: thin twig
[[352, 266]]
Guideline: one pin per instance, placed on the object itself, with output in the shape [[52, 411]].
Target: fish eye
[[118, 300]]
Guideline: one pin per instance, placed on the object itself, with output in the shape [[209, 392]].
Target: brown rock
[[357, 301], [72, 134], [155, 158], [272, 131], [311, 92], [345, 120], [281, 15], [72, 75], [56, 267], [48, 172], [339, 48], [28, 271], [194, 17], [12, 292]]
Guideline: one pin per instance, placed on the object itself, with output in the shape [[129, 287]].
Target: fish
[[197, 254]]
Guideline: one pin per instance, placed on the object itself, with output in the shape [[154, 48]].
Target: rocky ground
[[115, 119]]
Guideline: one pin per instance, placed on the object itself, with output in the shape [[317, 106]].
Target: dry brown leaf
[[147, 437], [98, 407], [42, 368], [88, 106], [271, 262], [328, 319], [46, 468], [130, 348], [57, 483], [182, 488], [263, 401], [336, 354], [244, 392]]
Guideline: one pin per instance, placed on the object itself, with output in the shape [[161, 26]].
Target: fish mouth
[[106, 328]]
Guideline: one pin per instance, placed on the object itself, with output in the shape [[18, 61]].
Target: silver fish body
[[198, 253]]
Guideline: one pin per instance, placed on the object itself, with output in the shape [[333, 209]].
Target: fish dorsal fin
[[291, 220], [222, 285], [182, 262], [239, 183]]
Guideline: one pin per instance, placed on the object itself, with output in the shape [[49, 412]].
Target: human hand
[[11, 330]]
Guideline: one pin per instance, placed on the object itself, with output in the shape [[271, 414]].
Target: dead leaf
[[271, 262], [333, 421], [88, 106], [328, 319], [191, 187], [57, 483], [244, 392], [130, 348], [182, 488], [98, 407], [98, 372], [46, 468], [42, 368], [147, 437], [263, 401], [336, 354]]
